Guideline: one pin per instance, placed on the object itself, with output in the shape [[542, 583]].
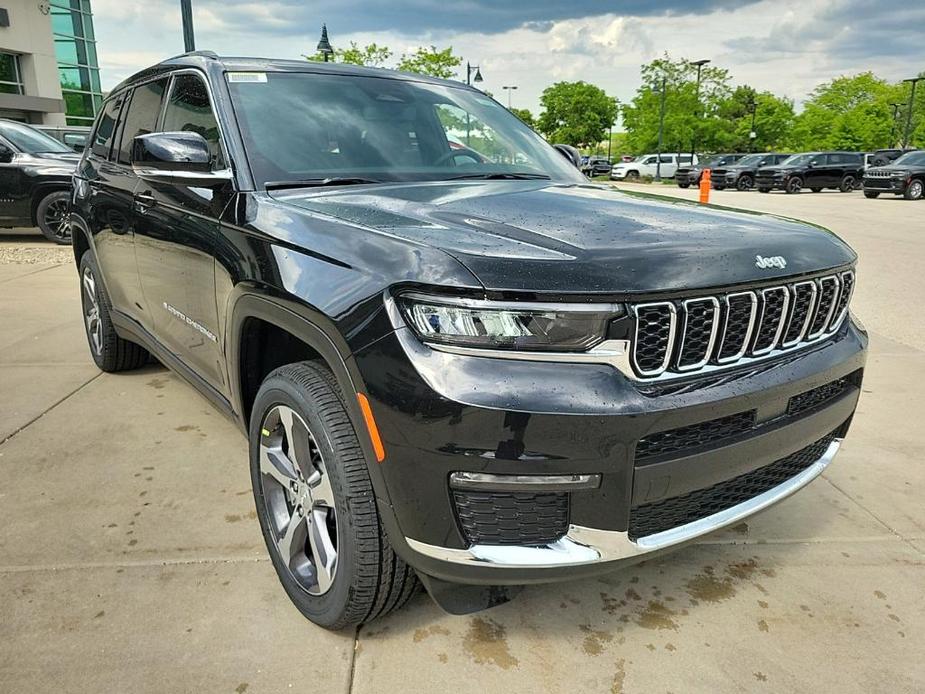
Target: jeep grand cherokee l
[[35, 180], [813, 170], [469, 367], [741, 174], [905, 176], [689, 175]]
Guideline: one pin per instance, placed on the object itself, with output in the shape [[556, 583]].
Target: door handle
[[144, 202]]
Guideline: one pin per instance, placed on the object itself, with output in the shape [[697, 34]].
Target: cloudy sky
[[786, 46]]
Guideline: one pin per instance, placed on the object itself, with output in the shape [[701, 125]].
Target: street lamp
[[661, 128], [913, 81], [896, 108], [469, 77], [509, 90], [752, 135], [699, 64], [324, 46]]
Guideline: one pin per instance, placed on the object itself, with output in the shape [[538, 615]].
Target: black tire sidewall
[[40, 210], [327, 609], [744, 182], [102, 300], [794, 185], [908, 194]]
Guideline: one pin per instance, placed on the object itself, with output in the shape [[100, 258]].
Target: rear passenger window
[[189, 109], [105, 128], [141, 118]]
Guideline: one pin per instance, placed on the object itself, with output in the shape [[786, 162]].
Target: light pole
[[478, 74], [186, 14], [913, 81], [752, 135], [896, 108], [509, 90], [699, 64], [324, 46], [661, 128]]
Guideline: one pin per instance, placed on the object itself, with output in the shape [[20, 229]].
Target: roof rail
[[211, 55]]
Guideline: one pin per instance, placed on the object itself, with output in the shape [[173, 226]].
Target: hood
[[54, 162], [538, 236]]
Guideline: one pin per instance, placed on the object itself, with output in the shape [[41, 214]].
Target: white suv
[[647, 165]]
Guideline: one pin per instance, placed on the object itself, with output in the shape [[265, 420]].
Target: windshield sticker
[[253, 77]]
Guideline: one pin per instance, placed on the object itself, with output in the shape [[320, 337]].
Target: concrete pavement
[[130, 559]]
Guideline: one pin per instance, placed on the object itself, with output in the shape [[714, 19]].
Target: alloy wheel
[[915, 190], [299, 500], [92, 312], [56, 219]]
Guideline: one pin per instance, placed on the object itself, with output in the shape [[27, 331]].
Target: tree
[[773, 121], [525, 115], [576, 113], [371, 55], [430, 61]]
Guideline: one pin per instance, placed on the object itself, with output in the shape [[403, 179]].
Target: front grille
[[817, 396], [686, 335], [694, 436], [874, 173], [649, 519], [512, 518]]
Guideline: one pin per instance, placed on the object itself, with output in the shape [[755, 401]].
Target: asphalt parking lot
[[131, 560]]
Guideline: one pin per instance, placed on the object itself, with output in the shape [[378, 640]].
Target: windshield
[[799, 159], [910, 159], [30, 140], [751, 160], [310, 126]]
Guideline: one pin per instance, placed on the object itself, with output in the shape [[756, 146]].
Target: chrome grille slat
[[684, 336]]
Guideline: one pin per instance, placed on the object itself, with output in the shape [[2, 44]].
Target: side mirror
[[570, 153], [812, 164], [180, 158], [6, 154]]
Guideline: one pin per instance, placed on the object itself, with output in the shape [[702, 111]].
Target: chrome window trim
[[780, 324], [822, 331], [713, 331], [837, 320], [748, 335], [582, 545], [809, 313], [672, 333]]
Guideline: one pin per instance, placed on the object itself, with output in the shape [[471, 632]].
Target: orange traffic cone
[[705, 187]]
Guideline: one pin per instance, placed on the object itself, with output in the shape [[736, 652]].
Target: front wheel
[[316, 504], [52, 217], [847, 184], [914, 190], [794, 185], [632, 175], [745, 182], [871, 194]]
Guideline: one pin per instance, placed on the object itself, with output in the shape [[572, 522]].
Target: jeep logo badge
[[770, 261]]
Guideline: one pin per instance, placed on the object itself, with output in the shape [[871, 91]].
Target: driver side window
[[475, 141]]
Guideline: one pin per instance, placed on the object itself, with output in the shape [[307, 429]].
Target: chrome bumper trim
[[583, 545], [483, 481]]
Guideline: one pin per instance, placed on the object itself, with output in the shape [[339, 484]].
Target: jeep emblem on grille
[[770, 261]]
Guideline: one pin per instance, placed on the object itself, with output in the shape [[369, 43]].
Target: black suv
[[741, 174], [596, 166], [35, 180], [814, 170], [905, 176], [687, 176], [465, 366]]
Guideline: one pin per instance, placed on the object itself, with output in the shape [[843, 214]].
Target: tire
[[631, 175], [871, 194], [110, 352], [51, 217], [847, 184], [364, 578], [794, 185], [745, 182], [914, 191]]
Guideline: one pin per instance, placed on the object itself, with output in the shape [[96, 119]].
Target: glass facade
[[78, 68]]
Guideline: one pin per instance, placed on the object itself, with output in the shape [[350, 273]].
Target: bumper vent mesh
[[512, 518]]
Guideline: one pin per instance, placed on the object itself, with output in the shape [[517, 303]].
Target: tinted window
[[648, 160], [189, 109], [141, 117], [685, 159], [30, 140], [105, 127]]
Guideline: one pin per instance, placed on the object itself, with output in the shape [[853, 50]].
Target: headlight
[[900, 174], [508, 325]]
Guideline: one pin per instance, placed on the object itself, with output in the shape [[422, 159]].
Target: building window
[[10, 74], [78, 67]]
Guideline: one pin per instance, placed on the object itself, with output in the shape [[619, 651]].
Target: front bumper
[[441, 413], [776, 182], [886, 185]]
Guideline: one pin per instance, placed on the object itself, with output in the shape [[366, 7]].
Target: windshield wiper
[[317, 182], [499, 176]]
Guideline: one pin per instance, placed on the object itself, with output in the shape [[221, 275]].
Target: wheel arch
[[40, 192]]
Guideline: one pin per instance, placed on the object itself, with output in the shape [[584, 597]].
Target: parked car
[[687, 176], [813, 170], [473, 374], [885, 157], [74, 136], [596, 166], [905, 176], [647, 165], [741, 174], [35, 180]]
